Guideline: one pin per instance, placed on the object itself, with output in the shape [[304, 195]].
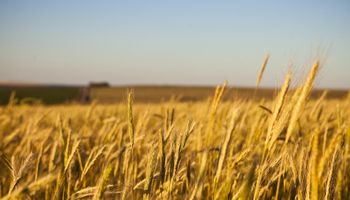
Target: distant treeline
[[39, 94]]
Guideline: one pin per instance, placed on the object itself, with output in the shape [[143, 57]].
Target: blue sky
[[173, 42]]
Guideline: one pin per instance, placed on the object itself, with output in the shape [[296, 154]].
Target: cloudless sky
[[173, 42]]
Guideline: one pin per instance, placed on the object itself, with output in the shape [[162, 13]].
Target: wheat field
[[290, 147]]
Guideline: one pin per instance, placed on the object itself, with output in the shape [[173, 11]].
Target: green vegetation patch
[[46, 95]]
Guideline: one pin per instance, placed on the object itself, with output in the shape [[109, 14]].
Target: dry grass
[[287, 148]]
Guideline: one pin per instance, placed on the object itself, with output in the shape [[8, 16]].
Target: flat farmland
[[192, 93]]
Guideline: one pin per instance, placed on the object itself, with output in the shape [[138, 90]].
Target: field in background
[[188, 93], [143, 94]]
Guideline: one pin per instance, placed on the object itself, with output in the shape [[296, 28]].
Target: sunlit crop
[[290, 147]]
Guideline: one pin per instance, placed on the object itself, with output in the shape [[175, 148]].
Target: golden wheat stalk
[[18, 173], [314, 166], [270, 138], [31, 188], [301, 100], [262, 70], [223, 151], [330, 175], [101, 187], [131, 125]]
